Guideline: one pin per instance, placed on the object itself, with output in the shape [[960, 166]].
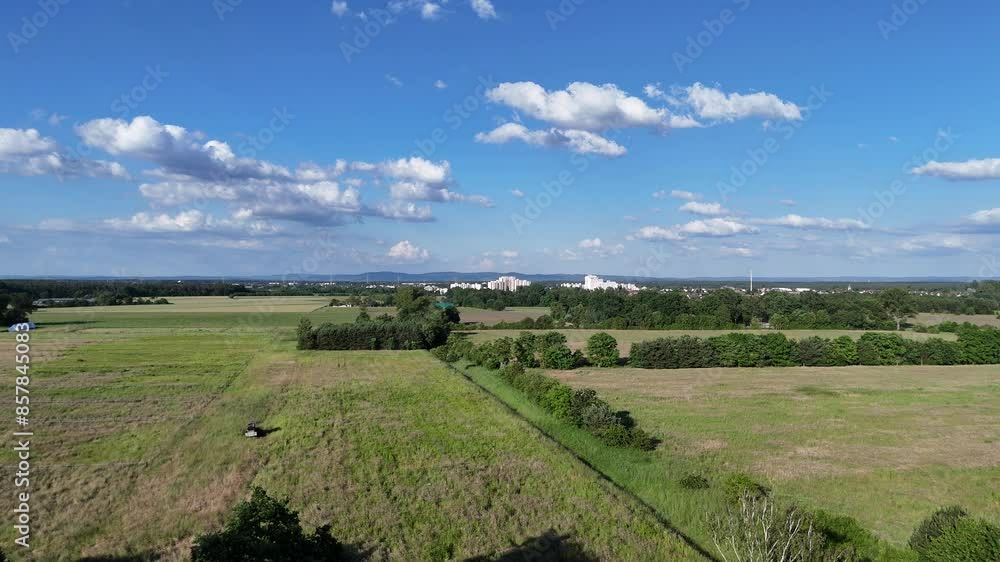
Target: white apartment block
[[595, 283]]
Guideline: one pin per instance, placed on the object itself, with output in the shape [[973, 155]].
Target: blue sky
[[678, 139]]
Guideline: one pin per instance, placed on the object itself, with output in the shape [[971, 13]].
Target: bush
[[305, 336], [881, 349], [264, 528], [739, 486], [602, 350], [843, 351], [558, 357], [694, 482], [932, 527], [393, 334], [968, 540]]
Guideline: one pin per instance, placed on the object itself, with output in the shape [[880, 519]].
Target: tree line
[[975, 345], [729, 309]]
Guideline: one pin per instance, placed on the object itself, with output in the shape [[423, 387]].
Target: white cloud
[[714, 104], [430, 11], [581, 142], [394, 80], [405, 251], [339, 8], [788, 202], [598, 248], [517, 193], [404, 211], [55, 119], [26, 152], [935, 244], [986, 216], [740, 251], [440, 84], [685, 195], [484, 9], [418, 191], [820, 223], [581, 105], [716, 227], [417, 169], [700, 208], [661, 194], [657, 233], [4, 239], [984, 169], [189, 221]]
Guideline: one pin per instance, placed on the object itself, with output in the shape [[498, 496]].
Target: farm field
[[510, 314], [577, 338], [142, 450], [930, 318], [885, 445]]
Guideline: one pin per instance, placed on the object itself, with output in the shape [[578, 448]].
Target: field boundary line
[[667, 525]]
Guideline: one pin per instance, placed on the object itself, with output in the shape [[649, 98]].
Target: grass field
[[886, 445], [577, 339], [139, 448], [930, 319], [510, 314]]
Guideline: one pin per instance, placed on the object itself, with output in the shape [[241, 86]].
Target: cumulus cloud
[[985, 169], [598, 248], [440, 84], [26, 152], [418, 169], [685, 195], [404, 211], [339, 8], [788, 202], [517, 193], [819, 223], [419, 191], [405, 251], [986, 216], [188, 222], [581, 105], [581, 142], [430, 11], [714, 227], [700, 208], [484, 9], [714, 104], [739, 251]]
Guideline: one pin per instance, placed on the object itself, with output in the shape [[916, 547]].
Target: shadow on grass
[[550, 546], [142, 557]]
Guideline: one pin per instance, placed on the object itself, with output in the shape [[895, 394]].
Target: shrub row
[[978, 346], [510, 357], [391, 334]]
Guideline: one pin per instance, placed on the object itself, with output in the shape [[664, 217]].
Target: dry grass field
[[510, 314], [886, 445], [930, 319], [139, 448], [577, 338]]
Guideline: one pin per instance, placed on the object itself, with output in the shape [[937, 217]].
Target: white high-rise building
[[507, 283], [595, 283]]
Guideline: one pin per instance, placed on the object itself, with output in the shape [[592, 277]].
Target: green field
[[139, 447], [886, 445], [577, 338]]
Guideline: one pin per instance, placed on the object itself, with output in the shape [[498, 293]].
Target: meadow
[[139, 448], [577, 338], [885, 445], [932, 318]]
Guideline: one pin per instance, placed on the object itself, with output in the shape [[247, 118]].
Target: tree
[[602, 350], [412, 301], [898, 304], [265, 529], [15, 307]]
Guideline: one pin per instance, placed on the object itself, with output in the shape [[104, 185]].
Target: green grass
[[886, 445], [577, 338], [139, 448]]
